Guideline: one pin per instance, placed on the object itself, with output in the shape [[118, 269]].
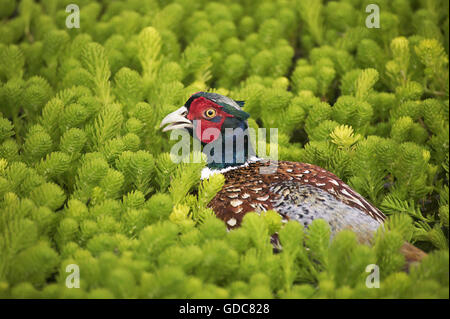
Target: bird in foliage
[[297, 191]]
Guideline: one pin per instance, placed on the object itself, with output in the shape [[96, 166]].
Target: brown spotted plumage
[[246, 190]]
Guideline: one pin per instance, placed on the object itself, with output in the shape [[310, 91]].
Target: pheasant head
[[214, 120]]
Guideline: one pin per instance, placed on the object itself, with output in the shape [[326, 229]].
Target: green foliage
[[86, 177]]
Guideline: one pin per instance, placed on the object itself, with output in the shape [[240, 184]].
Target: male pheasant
[[297, 191]]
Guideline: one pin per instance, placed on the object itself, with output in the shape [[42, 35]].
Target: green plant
[[86, 177]]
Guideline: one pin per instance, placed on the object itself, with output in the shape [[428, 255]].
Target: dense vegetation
[[86, 177]]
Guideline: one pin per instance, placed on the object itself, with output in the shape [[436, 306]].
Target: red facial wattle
[[206, 130]]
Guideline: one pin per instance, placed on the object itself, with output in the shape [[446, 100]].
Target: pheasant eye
[[210, 113]]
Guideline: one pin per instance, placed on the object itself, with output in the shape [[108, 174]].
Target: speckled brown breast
[[246, 190]]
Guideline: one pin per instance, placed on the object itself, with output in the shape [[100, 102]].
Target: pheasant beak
[[176, 120]]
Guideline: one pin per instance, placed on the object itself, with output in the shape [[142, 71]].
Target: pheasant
[[297, 191]]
